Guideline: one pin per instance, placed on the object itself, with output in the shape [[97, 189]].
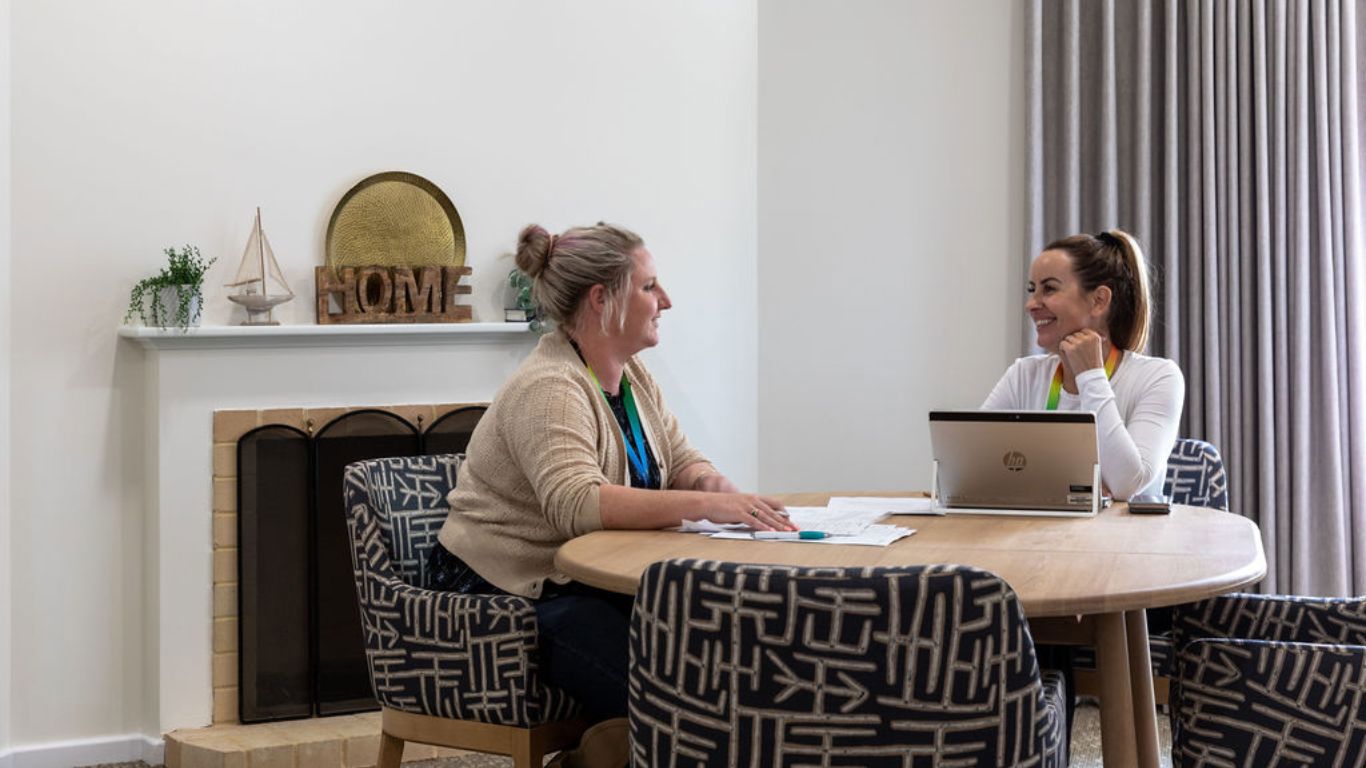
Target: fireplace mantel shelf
[[286, 336]]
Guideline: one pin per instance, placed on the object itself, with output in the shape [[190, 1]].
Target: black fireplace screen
[[301, 650]]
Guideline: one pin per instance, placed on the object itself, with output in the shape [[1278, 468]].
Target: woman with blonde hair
[[579, 439], [1090, 304]]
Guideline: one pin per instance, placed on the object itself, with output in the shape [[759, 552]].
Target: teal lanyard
[[635, 445]]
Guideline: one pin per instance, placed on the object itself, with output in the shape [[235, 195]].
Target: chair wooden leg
[[526, 746], [526, 751], [390, 751]]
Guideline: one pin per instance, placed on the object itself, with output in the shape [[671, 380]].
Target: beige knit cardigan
[[536, 460]]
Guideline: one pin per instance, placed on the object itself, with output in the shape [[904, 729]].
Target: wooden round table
[[1082, 580]]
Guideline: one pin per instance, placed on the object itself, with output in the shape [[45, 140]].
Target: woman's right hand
[[762, 513]]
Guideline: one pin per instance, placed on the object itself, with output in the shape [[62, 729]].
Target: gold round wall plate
[[395, 219]]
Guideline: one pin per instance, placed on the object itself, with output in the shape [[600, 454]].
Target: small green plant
[[521, 286], [184, 272]]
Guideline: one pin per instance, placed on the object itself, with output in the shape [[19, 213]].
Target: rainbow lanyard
[[1055, 390], [635, 445]]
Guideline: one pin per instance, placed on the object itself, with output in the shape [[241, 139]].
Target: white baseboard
[[66, 754]]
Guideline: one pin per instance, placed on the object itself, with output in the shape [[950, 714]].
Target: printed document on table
[[707, 527], [805, 518], [871, 536], [832, 521], [909, 505], [836, 522]]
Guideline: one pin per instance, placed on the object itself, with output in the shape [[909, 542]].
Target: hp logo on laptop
[[1014, 461]]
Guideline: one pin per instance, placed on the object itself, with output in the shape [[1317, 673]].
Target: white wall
[[5, 322], [890, 206], [137, 126], [881, 141]]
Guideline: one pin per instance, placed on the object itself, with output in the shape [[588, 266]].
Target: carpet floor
[[1085, 746]]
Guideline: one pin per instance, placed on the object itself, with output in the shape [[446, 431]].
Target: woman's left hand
[[1082, 349], [714, 482]]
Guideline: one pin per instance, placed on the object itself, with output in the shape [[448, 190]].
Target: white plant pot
[[165, 317]]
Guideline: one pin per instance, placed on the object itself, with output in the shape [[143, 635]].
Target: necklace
[[1055, 390]]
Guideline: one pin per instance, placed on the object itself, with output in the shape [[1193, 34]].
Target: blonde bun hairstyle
[[563, 268]]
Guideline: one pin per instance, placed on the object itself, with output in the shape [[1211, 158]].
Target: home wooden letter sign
[[391, 295]]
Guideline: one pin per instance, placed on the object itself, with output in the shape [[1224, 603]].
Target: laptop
[[1016, 463]]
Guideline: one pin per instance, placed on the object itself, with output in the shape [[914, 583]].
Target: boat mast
[[261, 251]]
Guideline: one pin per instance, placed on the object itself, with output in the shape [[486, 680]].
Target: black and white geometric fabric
[[467, 657], [1195, 475], [1269, 680], [766, 665]]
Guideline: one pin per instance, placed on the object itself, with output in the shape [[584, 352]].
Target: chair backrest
[[1195, 475], [764, 664], [1269, 679], [1273, 618], [406, 497]]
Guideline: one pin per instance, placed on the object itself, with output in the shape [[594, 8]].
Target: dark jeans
[[584, 646], [583, 633]]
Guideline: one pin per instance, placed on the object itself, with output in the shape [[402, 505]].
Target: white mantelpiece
[[240, 336], [187, 376]]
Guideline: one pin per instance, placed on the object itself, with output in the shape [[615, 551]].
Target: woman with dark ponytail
[[1089, 302]]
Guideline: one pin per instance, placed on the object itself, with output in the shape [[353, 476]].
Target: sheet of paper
[[832, 521], [871, 536], [841, 522], [910, 505], [708, 527]]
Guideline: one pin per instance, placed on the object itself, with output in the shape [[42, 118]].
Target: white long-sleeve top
[[1137, 413]]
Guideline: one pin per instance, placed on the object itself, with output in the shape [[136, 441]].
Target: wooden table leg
[[1117, 737], [1141, 678]]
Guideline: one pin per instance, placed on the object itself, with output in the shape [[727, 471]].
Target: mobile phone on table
[[1150, 504]]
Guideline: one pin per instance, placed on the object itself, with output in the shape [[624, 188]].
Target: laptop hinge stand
[[934, 486], [1095, 490]]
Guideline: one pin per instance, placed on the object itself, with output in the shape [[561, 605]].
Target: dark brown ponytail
[[1113, 258]]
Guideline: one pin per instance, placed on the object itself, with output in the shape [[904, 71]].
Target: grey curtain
[[1227, 135]]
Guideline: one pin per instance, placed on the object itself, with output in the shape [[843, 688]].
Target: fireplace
[[197, 394], [300, 649]]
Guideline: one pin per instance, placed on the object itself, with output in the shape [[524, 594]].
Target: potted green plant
[[173, 297], [521, 307]]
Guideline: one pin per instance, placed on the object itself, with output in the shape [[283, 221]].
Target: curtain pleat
[[1072, 137], [1227, 134], [1262, 486], [1279, 525], [1109, 150], [1034, 138], [1353, 132]]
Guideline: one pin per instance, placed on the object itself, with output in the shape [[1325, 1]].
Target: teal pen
[[791, 535]]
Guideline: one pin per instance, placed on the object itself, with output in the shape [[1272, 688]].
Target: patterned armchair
[[783, 666], [1270, 680], [448, 669], [1195, 477]]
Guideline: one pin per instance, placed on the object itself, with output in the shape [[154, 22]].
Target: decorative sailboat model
[[260, 283]]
